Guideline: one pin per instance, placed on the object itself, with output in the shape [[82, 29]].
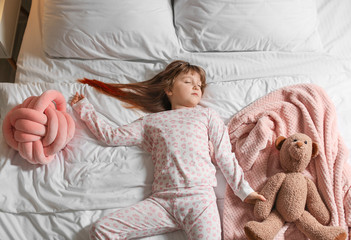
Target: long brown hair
[[149, 95]]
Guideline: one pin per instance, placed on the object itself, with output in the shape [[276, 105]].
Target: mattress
[[62, 199]]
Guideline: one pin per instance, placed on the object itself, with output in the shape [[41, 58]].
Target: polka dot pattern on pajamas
[[192, 209], [178, 141]]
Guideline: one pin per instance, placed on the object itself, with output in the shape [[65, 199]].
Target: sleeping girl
[[177, 134]]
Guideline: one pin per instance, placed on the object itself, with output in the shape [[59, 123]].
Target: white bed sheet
[[87, 180], [61, 200]]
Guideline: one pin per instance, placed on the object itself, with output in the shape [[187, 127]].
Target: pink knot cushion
[[39, 127]]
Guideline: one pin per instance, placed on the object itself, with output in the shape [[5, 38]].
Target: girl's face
[[186, 90]]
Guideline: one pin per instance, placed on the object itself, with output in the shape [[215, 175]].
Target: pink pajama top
[[178, 141]]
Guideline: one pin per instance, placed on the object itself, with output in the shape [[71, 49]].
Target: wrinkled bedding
[[87, 179]]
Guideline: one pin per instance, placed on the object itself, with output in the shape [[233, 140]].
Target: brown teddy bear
[[292, 197]]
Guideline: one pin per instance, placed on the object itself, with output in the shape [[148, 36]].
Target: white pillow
[[242, 25], [122, 29]]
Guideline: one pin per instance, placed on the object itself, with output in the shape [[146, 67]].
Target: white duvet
[[88, 179]]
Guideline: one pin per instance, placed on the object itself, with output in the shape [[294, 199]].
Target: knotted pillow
[[39, 127]]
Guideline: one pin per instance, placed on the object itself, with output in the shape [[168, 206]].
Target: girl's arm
[[128, 135], [233, 173]]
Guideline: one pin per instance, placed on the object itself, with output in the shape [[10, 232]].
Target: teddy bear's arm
[[263, 208], [315, 204]]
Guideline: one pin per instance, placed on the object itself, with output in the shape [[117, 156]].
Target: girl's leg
[[207, 225], [198, 213], [145, 218]]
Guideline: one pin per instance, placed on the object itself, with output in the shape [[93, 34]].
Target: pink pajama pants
[[192, 209]]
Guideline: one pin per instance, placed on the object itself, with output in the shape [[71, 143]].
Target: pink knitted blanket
[[301, 108]]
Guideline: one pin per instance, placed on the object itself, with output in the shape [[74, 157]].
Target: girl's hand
[[76, 98], [253, 197]]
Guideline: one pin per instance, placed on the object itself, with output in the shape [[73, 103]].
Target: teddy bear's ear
[[279, 142], [314, 149]]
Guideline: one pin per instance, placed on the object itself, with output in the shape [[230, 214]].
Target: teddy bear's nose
[[299, 144]]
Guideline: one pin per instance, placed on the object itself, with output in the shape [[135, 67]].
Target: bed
[[248, 50]]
